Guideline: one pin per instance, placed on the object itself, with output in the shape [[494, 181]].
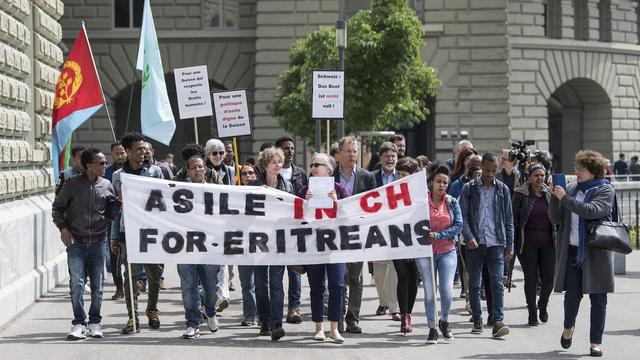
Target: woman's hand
[[432, 237], [558, 192], [309, 195], [333, 195]]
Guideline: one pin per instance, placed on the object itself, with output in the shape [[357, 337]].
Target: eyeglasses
[[246, 173], [216, 153], [101, 163], [314, 165]]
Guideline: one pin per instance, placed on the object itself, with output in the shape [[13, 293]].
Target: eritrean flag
[[78, 97]]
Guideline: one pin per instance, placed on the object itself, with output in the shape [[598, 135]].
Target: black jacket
[[298, 179], [364, 181], [85, 208]]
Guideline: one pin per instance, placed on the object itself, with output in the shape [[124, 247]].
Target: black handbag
[[609, 235]]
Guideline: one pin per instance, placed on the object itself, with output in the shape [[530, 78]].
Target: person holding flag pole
[[157, 123], [78, 96]]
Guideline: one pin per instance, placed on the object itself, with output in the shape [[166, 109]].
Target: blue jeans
[[295, 288], [493, 258], [335, 278], [445, 265], [248, 292], [573, 297], [190, 276], [83, 258], [269, 295]]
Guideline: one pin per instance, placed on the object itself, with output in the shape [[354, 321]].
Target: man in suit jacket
[[384, 273], [356, 180]]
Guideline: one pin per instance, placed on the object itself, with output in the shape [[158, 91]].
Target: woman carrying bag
[[581, 269]]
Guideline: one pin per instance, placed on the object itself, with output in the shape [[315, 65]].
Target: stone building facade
[[31, 260], [562, 72]]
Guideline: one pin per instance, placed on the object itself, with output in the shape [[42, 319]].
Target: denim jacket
[[452, 231], [470, 206]]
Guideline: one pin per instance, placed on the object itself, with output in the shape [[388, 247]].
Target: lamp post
[[341, 44]]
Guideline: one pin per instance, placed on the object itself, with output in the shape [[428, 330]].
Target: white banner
[[176, 222]]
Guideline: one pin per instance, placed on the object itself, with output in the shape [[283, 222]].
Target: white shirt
[[574, 237], [287, 173]]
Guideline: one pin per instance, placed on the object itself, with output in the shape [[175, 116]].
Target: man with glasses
[[83, 210], [384, 273]]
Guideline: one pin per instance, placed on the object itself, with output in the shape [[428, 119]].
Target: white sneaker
[[223, 304], [95, 331], [212, 323], [191, 333], [77, 332], [319, 336]]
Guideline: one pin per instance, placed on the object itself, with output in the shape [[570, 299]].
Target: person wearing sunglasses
[[82, 211], [214, 151], [324, 165]]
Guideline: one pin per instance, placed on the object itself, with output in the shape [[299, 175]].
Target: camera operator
[[509, 173]]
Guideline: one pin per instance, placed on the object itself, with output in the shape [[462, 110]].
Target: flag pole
[[235, 151], [104, 99]]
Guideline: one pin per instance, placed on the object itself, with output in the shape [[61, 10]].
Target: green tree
[[386, 81]]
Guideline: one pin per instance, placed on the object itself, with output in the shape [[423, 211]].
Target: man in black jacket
[[83, 210], [356, 180], [297, 177]]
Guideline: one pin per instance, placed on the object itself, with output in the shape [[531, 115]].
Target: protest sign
[[232, 113], [192, 89], [328, 95], [175, 222]]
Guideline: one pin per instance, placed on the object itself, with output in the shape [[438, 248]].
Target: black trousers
[[573, 296], [537, 263], [116, 268], [407, 284]]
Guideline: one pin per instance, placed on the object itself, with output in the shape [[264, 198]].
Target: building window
[[581, 19], [221, 13], [604, 9], [638, 22], [553, 19], [128, 13]]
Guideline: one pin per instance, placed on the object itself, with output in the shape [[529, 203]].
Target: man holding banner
[[356, 180], [134, 145]]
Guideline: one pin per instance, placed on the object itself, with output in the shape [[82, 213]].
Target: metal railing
[[628, 197]]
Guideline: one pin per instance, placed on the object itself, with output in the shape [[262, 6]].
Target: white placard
[[192, 89], [328, 95], [320, 186], [232, 113]]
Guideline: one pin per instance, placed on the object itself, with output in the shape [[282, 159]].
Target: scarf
[[586, 188]]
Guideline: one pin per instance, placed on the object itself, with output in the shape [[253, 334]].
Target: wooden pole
[[195, 128], [328, 137], [235, 151]]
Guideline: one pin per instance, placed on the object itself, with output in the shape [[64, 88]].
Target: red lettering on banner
[[298, 212], [403, 195], [331, 213], [364, 202]]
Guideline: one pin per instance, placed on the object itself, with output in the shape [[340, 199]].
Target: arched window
[[604, 9]]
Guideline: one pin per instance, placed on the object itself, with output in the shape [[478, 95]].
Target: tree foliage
[[386, 81]]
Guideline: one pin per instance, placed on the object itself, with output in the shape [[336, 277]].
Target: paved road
[[39, 332]]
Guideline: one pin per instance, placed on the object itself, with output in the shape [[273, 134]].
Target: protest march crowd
[[484, 211]]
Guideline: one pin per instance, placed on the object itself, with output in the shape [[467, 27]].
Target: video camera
[[520, 151]]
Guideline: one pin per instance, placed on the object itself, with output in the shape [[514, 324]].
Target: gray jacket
[[85, 208], [597, 270], [470, 206]]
